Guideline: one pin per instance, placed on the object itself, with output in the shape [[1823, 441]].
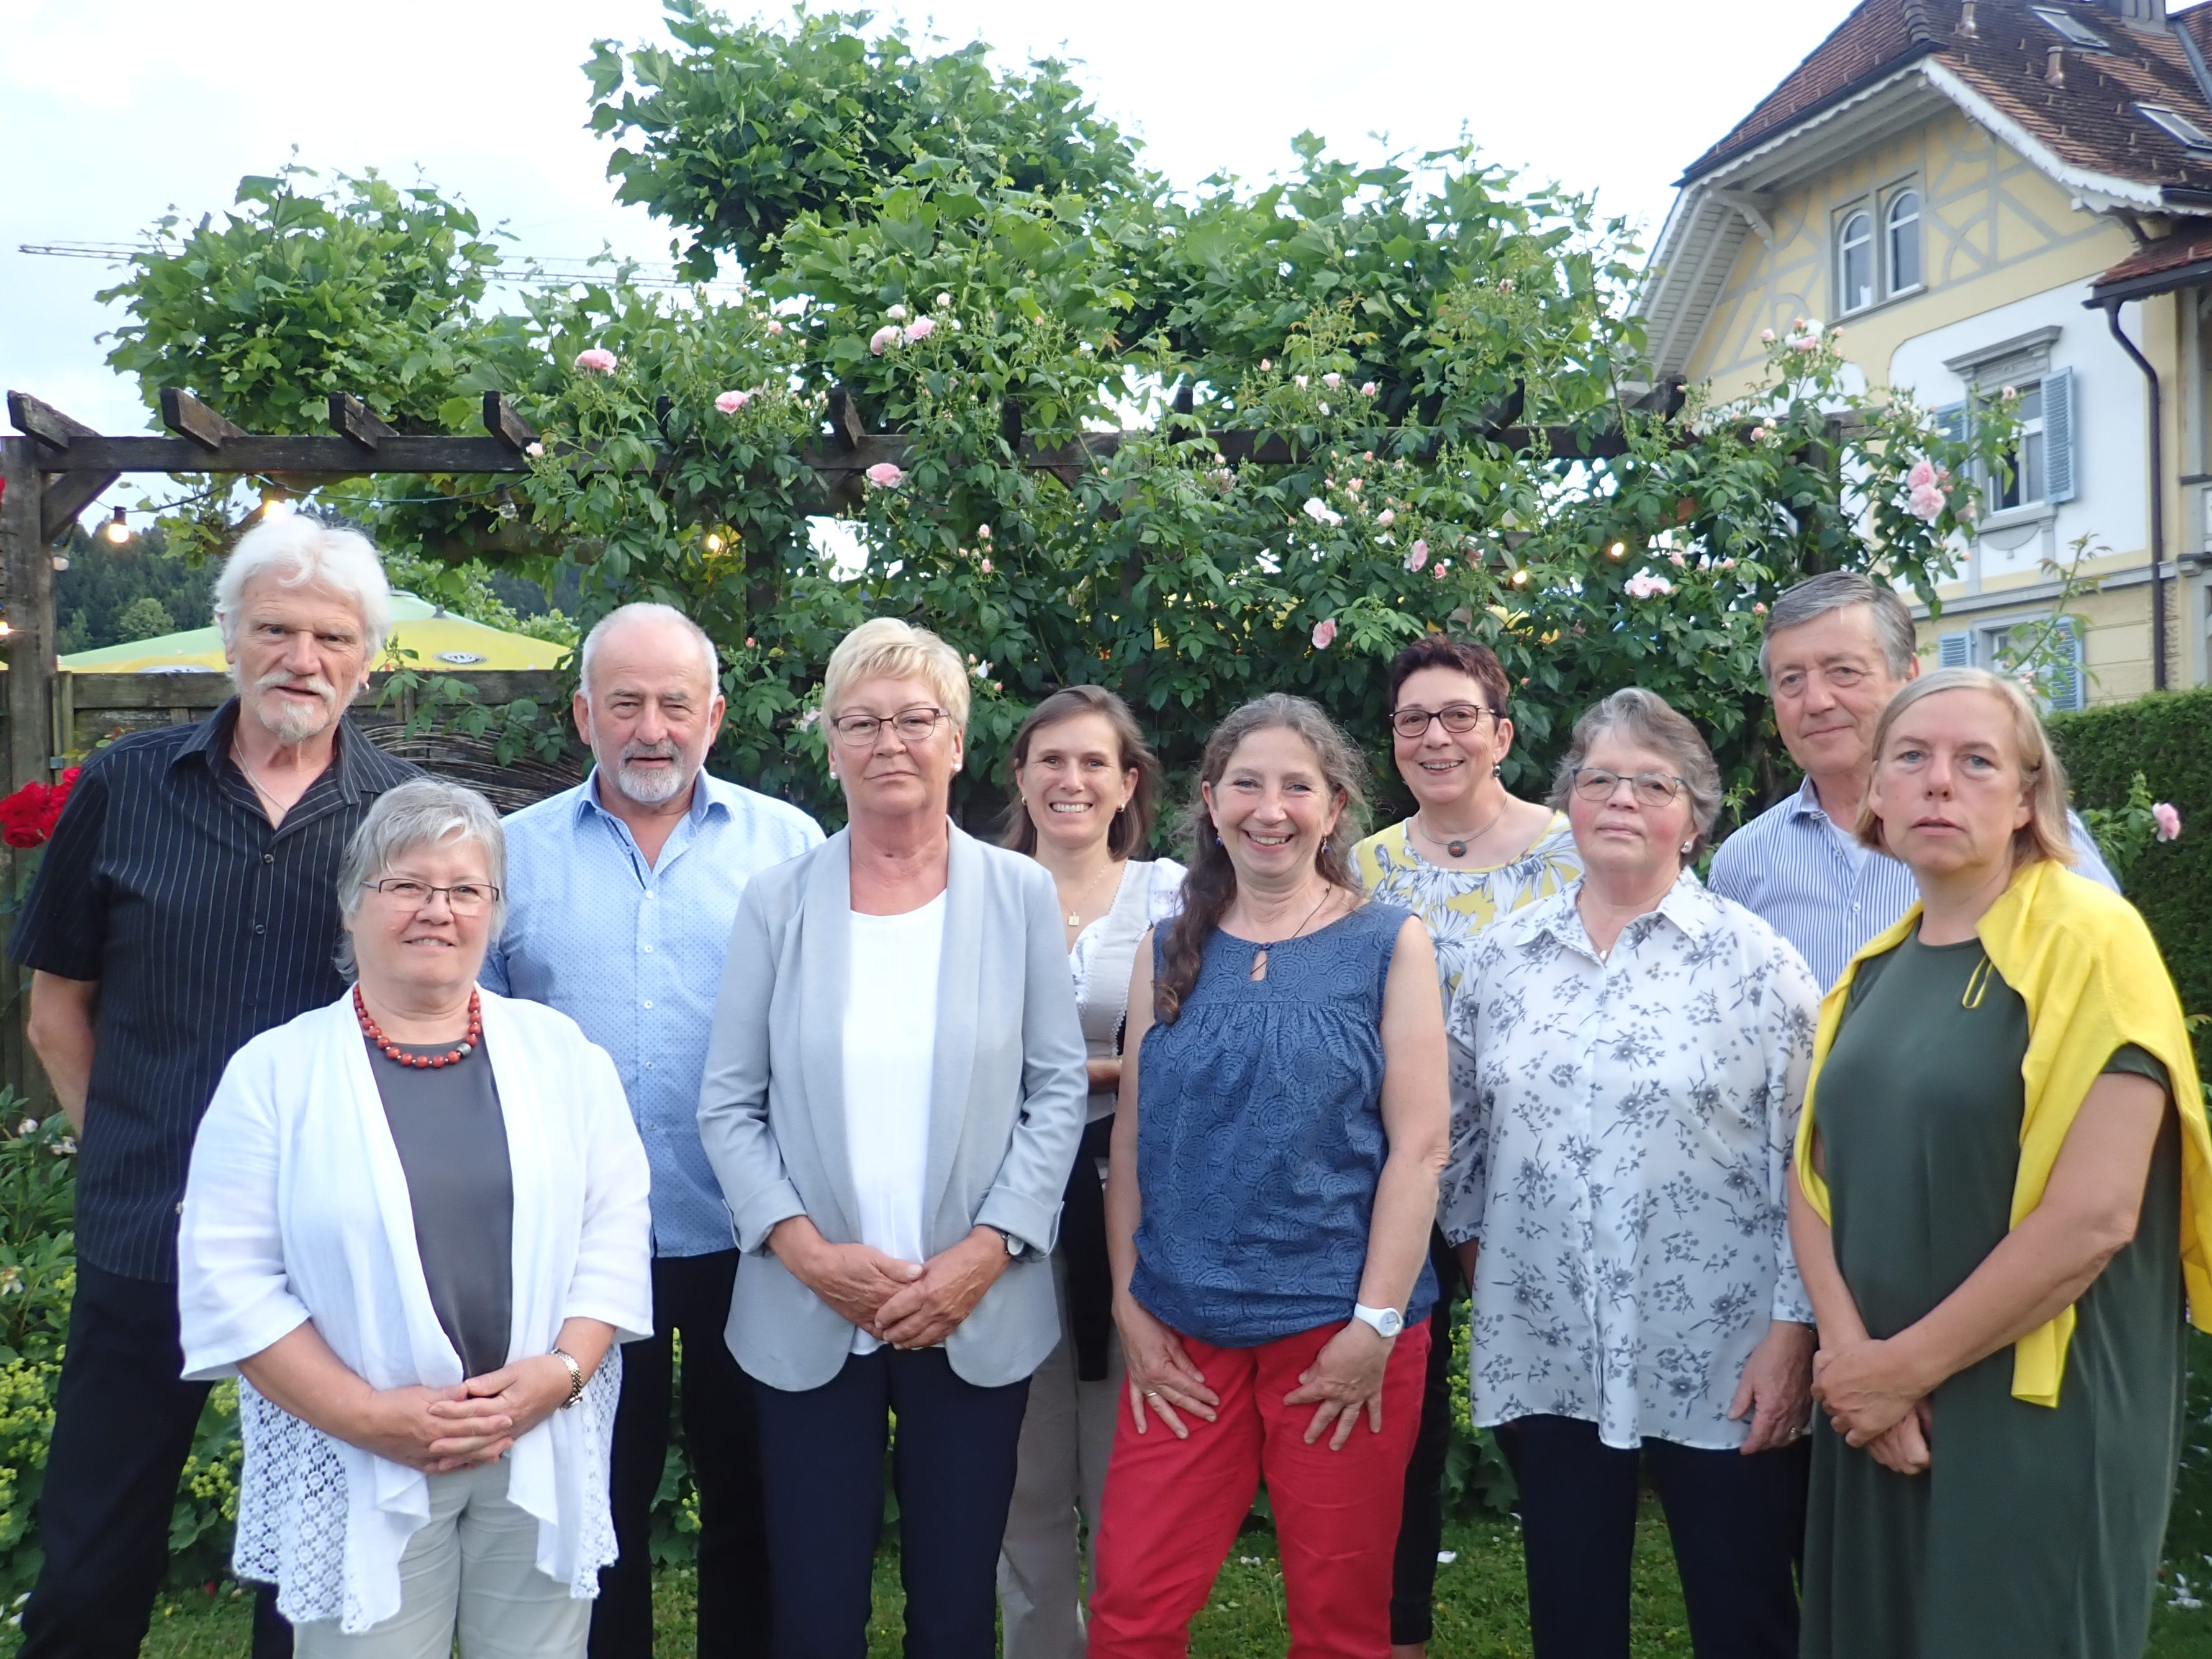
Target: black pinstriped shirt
[[204, 926]]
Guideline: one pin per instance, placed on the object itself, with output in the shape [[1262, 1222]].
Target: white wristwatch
[[1387, 1321]]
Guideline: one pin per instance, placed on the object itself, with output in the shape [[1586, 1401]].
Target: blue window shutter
[[1951, 421], [2058, 467], [2064, 689], [1954, 651]]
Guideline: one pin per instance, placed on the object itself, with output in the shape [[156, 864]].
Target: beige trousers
[[473, 1566], [1066, 1435]]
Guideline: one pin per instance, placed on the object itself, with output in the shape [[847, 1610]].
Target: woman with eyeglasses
[[1629, 1059], [1470, 854], [893, 1096], [415, 1228]]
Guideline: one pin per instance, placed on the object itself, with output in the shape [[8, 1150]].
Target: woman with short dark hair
[[1470, 854], [1273, 1182], [1085, 787]]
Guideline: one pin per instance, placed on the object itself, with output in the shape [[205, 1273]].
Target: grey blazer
[[1007, 1101]]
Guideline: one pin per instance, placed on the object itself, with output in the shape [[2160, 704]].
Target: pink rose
[[1922, 476], [1805, 343], [731, 402], [1385, 518], [534, 451], [1438, 568], [985, 567], [984, 531], [1925, 504], [1299, 381], [884, 476], [1759, 434], [1331, 381], [1324, 634], [896, 313], [883, 338], [774, 326], [1768, 334], [1368, 390], [1758, 610], [1417, 556], [2169, 821], [596, 359], [920, 329], [1678, 560], [1265, 365]]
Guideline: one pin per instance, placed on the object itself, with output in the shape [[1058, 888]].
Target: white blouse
[[890, 1056], [1621, 1131], [1161, 902], [296, 1209]]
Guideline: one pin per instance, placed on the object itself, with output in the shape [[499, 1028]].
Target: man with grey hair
[[185, 903], [1839, 647], [622, 894]]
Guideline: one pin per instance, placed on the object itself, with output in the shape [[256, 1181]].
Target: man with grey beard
[[622, 893], [185, 903]]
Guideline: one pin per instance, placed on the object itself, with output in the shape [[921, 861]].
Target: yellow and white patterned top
[[1456, 905]]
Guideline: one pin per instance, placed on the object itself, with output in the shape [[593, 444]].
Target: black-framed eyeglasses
[[1459, 719], [909, 724], [467, 898], [1652, 788]]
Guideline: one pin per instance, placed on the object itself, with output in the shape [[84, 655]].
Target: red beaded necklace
[[453, 1056]]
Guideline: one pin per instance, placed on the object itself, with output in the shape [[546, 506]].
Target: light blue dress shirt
[[1808, 878], [632, 951]]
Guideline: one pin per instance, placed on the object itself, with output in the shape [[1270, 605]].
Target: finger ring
[[1152, 1394]]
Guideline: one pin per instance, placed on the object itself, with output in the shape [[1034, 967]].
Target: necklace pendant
[[1073, 920], [1456, 848]]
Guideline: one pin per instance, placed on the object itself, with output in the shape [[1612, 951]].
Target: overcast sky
[[125, 108]]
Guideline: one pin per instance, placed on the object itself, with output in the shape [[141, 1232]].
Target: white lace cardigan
[[296, 1208]]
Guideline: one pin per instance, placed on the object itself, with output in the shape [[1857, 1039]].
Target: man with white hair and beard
[[186, 902], [621, 897]]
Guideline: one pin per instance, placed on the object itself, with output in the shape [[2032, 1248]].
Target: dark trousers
[[1737, 1523], [123, 1427], [690, 1294], [1421, 1528], [821, 1461]]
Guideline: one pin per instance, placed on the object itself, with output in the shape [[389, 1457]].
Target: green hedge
[[2166, 737]]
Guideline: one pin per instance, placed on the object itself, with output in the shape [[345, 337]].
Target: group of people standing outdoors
[[1118, 1185]]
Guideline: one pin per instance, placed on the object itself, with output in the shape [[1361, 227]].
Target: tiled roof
[[2190, 246], [2088, 121]]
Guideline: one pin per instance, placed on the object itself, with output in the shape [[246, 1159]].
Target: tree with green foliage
[[978, 258], [143, 618]]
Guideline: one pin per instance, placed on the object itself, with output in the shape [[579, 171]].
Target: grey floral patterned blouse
[[1621, 1129]]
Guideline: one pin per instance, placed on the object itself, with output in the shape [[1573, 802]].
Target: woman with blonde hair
[[1999, 1207], [893, 1094]]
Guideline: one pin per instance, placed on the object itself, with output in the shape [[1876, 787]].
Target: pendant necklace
[[1260, 955], [1075, 911], [270, 803], [1457, 847]]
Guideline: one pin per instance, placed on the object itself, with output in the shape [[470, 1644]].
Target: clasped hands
[[900, 1303], [440, 1429], [1875, 1402]]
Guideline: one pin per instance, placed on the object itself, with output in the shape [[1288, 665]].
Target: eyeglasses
[[1652, 788], [1459, 719], [467, 898], [911, 725]]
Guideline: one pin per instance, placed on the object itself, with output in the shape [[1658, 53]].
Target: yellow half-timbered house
[[1987, 194]]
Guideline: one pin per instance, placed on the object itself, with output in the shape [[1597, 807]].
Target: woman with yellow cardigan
[[1999, 1210]]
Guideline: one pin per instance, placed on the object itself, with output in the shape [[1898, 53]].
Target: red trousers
[[1172, 1507]]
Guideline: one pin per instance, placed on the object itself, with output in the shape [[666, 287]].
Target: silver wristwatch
[[1386, 1321], [1014, 1246]]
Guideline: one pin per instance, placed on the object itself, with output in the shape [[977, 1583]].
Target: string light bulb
[[1616, 550], [1521, 579], [117, 529], [713, 541], [275, 506]]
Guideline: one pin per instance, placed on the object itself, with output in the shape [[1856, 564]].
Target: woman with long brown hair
[[1085, 788], [1273, 1178]]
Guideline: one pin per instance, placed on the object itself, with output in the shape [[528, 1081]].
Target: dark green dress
[[2036, 1533]]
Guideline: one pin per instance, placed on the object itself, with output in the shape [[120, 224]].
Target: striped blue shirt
[[1812, 882], [632, 951]]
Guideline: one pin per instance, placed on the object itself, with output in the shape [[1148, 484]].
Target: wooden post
[[27, 565]]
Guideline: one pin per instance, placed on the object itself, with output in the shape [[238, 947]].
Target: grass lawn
[[1479, 1604]]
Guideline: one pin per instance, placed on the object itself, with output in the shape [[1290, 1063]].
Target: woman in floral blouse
[[1470, 854], [1628, 1062]]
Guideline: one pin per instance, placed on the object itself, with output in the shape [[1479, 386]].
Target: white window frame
[[2175, 124], [2076, 31], [1894, 199], [1979, 644], [2022, 475], [1871, 243]]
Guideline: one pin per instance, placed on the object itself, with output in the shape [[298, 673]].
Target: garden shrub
[[2167, 737]]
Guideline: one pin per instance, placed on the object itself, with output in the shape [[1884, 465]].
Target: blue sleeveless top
[[1259, 1137]]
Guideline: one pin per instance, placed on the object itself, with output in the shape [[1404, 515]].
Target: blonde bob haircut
[[887, 648], [2045, 833]]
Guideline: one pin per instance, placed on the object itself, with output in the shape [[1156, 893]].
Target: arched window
[[1855, 262], [1903, 240]]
